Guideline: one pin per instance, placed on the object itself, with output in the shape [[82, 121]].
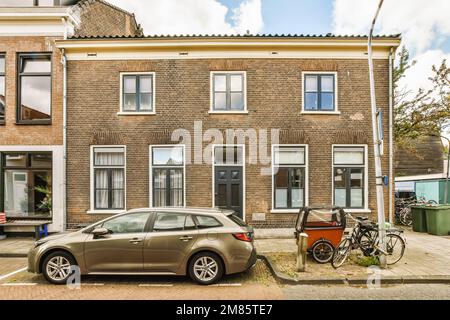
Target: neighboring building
[[31, 103], [426, 158], [127, 97]]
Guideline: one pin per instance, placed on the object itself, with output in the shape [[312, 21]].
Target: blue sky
[[424, 24], [294, 16]]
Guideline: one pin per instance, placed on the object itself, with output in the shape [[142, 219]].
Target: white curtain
[[176, 188], [160, 188], [102, 186], [117, 181]]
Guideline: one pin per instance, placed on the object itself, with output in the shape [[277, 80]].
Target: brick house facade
[[126, 97], [31, 105]]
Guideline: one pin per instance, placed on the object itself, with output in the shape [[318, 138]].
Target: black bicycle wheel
[[395, 247], [406, 216], [341, 253], [367, 241]]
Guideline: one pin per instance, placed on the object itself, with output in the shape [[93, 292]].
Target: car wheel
[[205, 268], [57, 267]]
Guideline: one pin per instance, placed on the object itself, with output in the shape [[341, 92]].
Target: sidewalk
[[426, 258]]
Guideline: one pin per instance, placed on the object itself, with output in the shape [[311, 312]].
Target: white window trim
[[137, 113], [211, 93], [336, 86], [150, 171], [92, 209], [306, 166], [365, 208], [213, 188]]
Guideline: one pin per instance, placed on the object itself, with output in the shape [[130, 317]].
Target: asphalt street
[[257, 283]]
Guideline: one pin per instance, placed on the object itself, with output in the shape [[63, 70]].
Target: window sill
[[284, 210], [358, 210], [321, 112], [228, 112], [105, 211], [34, 123], [138, 113]]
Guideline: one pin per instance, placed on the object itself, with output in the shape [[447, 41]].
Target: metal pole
[[391, 138], [376, 147]]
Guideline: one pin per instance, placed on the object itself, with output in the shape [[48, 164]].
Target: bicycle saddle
[[362, 218]]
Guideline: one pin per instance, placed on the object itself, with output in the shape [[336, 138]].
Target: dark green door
[[228, 188]]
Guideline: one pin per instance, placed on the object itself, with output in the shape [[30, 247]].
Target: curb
[[285, 279]]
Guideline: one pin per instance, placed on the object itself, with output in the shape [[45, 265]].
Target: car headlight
[[39, 242]]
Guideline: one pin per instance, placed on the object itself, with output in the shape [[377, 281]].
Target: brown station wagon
[[202, 242]]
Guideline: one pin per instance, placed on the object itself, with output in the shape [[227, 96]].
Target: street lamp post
[[377, 146], [448, 169]]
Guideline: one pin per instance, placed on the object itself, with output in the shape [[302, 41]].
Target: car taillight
[[243, 236]]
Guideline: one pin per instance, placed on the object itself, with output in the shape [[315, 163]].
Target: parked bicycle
[[364, 237], [403, 212]]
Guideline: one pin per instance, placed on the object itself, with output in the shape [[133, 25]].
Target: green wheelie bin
[[438, 220], [419, 221]]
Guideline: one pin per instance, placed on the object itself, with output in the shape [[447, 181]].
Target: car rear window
[[237, 220], [207, 222]]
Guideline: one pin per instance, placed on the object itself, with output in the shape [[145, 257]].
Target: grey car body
[[152, 251]]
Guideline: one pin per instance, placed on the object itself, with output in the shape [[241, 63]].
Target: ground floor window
[[26, 184], [109, 178], [289, 176], [349, 176], [167, 169]]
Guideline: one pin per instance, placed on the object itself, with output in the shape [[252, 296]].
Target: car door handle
[[185, 238], [135, 240]]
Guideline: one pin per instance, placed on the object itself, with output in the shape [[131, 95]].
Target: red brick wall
[[18, 134], [183, 96]]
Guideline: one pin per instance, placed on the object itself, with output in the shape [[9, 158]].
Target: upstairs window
[[35, 88], [137, 93], [319, 92], [228, 92], [2, 88]]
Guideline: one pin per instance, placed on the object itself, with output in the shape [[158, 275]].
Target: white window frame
[[365, 208], [213, 163], [92, 209], [306, 166], [211, 93], [137, 113], [150, 166], [303, 91]]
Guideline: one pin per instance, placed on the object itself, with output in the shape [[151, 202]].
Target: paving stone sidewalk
[[426, 256]]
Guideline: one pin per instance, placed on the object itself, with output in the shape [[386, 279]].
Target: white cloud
[[194, 16], [419, 21], [418, 75], [424, 25]]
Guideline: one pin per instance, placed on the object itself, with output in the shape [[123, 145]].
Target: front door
[[228, 188]]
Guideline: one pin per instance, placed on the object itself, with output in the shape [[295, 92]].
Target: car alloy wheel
[[57, 267], [205, 268]]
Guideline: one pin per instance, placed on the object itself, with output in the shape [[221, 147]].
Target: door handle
[[185, 238], [135, 240]]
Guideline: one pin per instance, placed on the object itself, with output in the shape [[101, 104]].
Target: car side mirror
[[97, 232]]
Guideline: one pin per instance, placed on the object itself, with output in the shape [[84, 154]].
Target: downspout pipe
[[391, 137], [64, 63]]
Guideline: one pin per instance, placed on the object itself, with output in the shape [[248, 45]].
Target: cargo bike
[[324, 226]]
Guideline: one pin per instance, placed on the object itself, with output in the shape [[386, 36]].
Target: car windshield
[[237, 220]]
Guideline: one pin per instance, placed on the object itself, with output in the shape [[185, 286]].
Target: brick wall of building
[[114, 21], [20, 134], [183, 96]]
